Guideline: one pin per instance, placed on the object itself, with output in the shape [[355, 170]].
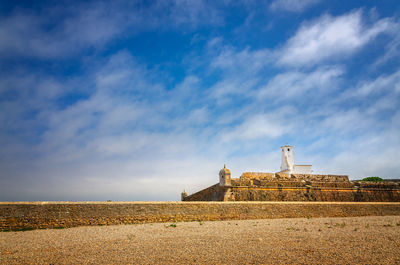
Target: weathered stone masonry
[[254, 186], [69, 214]]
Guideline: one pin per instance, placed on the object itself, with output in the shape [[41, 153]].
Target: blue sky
[[136, 100]]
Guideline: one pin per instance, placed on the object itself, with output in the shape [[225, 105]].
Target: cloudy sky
[[138, 100]]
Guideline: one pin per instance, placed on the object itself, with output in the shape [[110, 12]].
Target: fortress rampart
[[295, 183], [20, 215], [258, 186]]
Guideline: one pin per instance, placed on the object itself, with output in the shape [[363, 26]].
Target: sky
[[139, 100]]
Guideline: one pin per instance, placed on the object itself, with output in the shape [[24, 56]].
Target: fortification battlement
[[294, 177]]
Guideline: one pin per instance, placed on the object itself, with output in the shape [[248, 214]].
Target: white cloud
[[381, 93], [27, 33], [193, 13], [344, 121], [301, 85], [292, 5], [262, 125], [368, 154], [245, 61], [238, 85], [198, 116], [113, 142], [392, 49], [330, 38], [240, 72], [52, 33], [384, 83]]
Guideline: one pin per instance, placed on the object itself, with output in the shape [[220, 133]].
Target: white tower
[[287, 159]]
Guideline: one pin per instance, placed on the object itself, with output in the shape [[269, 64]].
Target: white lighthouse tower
[[287, 159], [288, 165]]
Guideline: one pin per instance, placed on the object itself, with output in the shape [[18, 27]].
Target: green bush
[[372, 179]]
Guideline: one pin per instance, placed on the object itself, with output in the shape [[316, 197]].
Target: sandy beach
[[351, 240]]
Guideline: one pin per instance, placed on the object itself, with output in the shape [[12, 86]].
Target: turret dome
[[224, 171]]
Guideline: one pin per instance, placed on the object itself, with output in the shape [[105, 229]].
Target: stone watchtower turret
[[225, 177], [183, 195]]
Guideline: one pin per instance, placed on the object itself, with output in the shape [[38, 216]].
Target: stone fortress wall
[[259, 186], [212, 193], [37, 215]]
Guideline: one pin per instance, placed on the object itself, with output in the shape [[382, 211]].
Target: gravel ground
[[352, 240]]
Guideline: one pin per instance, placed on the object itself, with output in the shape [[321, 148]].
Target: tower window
[[288, 149]]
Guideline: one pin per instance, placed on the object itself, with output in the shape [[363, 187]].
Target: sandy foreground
[[351, 240]]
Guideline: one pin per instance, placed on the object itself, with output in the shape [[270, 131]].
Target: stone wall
[[15, 216], [325, 178], [314, 194], [377, 185], [212, 193], [258, 175], [264, 188], [293, 177]]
